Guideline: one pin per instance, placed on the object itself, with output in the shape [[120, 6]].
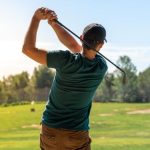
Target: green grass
[[111, 127]]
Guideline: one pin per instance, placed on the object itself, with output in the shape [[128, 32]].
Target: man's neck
[[89, 54]]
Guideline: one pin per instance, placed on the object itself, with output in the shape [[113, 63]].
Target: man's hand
[[51, 16], [45, 14]]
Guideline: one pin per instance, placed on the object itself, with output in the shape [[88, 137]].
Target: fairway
[[113, 127]]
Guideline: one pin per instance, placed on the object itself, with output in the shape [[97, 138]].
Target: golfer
[[79, 71]]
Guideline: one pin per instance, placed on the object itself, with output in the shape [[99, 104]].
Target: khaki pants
[[62, 139]]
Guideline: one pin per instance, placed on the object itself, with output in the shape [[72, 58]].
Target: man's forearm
[[29, 45], [30, 38], [65, 38]]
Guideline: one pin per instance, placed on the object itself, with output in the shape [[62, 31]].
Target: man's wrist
[[36, 19], [52, 23]]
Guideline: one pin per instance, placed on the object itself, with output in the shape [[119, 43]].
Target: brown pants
[[62, 139]]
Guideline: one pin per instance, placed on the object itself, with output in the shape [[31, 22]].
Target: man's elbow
[[26, 49]]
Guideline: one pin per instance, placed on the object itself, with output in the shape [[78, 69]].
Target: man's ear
[[100, 45], [81, 37]]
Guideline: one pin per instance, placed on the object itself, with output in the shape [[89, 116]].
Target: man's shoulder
[[102, 59], [57, 58], [58, 51], [103, 62]]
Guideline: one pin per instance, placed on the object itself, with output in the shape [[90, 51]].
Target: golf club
[[124, 74]]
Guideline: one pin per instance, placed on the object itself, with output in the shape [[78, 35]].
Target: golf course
[[114, 126]]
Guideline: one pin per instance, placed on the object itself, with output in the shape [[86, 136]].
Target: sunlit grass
[[111, 127]]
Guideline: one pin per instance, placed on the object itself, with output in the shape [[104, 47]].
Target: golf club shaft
[[92, 48]]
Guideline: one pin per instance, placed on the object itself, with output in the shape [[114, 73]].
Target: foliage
[[12, 88], [144, 85], [136, 89], [126, 92], [42, 77], [21, 87], [105, 91]]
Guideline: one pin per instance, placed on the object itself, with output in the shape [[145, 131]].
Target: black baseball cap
[[95, 32]]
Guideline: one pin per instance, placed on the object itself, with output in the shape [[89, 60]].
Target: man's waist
[[71, 121]]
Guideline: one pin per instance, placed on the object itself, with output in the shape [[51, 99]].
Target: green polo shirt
[[73, 89]]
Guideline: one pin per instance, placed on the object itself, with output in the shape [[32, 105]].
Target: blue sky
[[126, 21]]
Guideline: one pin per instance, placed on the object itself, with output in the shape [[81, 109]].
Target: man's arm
[[64, 37], [29, 46]]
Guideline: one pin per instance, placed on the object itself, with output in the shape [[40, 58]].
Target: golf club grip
[[124, 74]]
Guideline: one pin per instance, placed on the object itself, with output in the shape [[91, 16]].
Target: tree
[[42, 77], [2, 92], [144, 85], [127, 92], [105, 91], [41, 80], [14, 86]]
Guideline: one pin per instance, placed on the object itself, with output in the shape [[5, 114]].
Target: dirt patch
[[145, 111], [36, 126], [103, 115]]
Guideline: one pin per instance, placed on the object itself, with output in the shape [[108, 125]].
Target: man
[[65, 121]]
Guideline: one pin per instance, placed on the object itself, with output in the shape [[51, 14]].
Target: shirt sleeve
[[56, 59]]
